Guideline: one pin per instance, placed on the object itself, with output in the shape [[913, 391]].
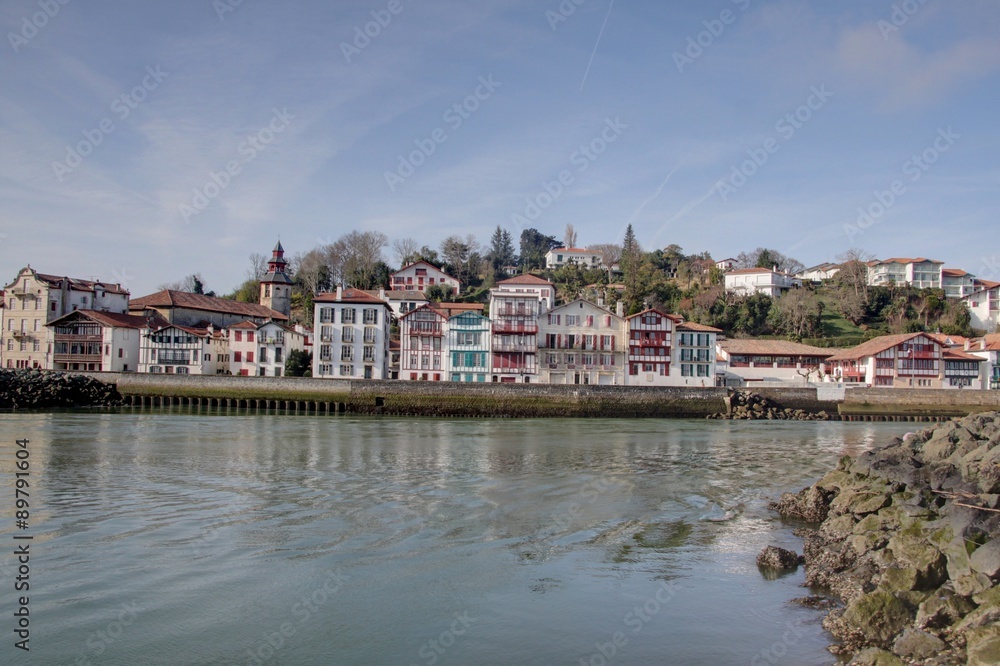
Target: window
[[325, 369], [326, 315], [36, 325], [121, 353], [346, 353], [36, 346], [238, 356], [237, 336], [277, 355], [369, 354], [249, 357], [347, 316], [370, 334], [346, 370], [249, 336], [348, 334], [371, 316]]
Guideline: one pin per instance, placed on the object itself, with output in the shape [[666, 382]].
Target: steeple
[[276, 286]]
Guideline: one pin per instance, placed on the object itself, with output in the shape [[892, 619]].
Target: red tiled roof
[[168, 298], [673, 318], [959, 355], [244, 325], [873, 346], [697, 328], [953, 272], [110, 319], [452, 309], [526, 278], [748, 347], [425, 263], [80, 285], [425, 307], [943, 340], [349, 295], [903, 260]]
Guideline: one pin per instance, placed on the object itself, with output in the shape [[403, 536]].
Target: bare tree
[[611, 254], [258, 266], [363, 254], [405, 249], [569, 240]]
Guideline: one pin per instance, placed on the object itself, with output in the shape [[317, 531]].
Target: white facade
[[773, 361], [984, 306], [352, 336], [515, 306], [423, 350], [172, 349], [957, 283], [581, 343], [748, 281], [420, 276], [561, 256], [819, 273], [468, 348], [919, 272], [260, 350], [650, 348], [693, 361], [95, 341]]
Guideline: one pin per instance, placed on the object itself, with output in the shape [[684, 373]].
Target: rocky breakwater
[[35, 389], [908, 538], [749, 406]]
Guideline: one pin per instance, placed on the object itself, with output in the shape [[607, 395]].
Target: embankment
[[33, 389], [909, 540]]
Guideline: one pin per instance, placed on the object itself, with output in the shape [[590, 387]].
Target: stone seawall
[[917, 402]]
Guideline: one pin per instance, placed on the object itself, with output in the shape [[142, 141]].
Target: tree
[[362, 256], [569, 239], [461, 255], [406, 250], [534, 246], [611, 254], [501, 253], [631, 262], [258, 266], [438, 293], [298, 364], [798, 313], [764, 257], [192, 284]]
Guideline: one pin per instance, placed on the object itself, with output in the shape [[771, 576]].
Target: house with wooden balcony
[[353, 335], [35, 299], [751, 361], [423, 345], [198, 310], [581, 343], [88, 340], [468, 347], [907, 360], [261, 349], [650, 335], [420, 276], [515, 306], [173, 349], [963, 370]]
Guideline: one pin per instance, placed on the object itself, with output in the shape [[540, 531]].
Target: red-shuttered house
[[581, 343], [650, 342]]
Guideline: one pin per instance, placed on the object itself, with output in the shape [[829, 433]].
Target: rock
[[773, 557], [984, 653], [876, 657], [986, 559], [917, 644], [811, 505], [879, 616], [913, 552], [942, 609]]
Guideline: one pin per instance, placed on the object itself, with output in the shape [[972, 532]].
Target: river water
[[174, 538]]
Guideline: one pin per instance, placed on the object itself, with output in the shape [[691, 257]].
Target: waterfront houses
[[751, 360], [650, 342], [352, 335], [262, 349], [34, 299], [420, 276], [469, 357], [988, 349], [694, 361], [183, 350], [581, 343], [515, 306], [908, 360], [422, 348], [88, 340]]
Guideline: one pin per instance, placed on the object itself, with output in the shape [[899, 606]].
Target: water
[[172, 538]]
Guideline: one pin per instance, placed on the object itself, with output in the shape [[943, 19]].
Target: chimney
[[968, 344], [381, 293], [340, 292], [620, 309]]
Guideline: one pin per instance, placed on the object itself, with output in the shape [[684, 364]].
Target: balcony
[[650, 343], [519, 348], [513, 312], [515, 327], [71, 337], [76, 358], [173, 361], [21, 335], [932, 355]]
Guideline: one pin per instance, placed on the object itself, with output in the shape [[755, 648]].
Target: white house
[[984, 305], [420, 276], [423, 349], [262, 349], [515, 306], [400, 301], [650, 335], [919, 272], [726, 264], [693, 361], [561, 256], [581, 343], [469, 358], [988, 349], [824, 271], [747, 281], [772, 360], [353, 336], [183, 350], [957, 283], [95, 341]]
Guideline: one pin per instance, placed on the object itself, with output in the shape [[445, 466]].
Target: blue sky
[[718, 126]]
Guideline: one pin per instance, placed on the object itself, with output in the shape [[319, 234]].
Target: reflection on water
[[299, 540]]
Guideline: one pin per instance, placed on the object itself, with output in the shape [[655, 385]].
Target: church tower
[[276, 286]]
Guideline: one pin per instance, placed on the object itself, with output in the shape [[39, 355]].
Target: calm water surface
[[175, 538]]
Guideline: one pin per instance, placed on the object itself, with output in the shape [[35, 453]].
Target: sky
[[141, 142]]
